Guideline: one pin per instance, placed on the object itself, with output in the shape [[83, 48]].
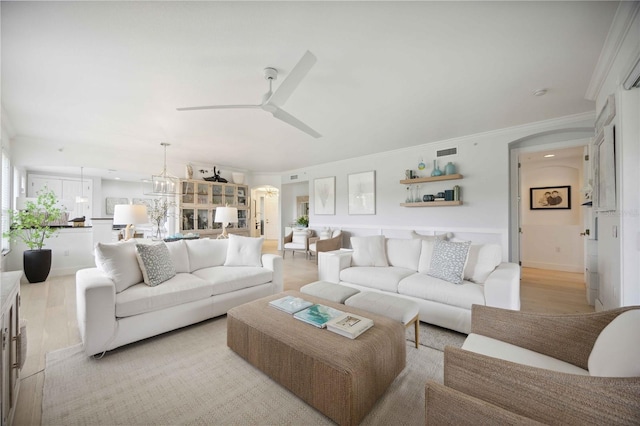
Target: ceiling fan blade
[[294, 78], [217, 107], [281, 114]]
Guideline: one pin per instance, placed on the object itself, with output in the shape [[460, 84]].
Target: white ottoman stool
[[330, 291], [396, 308]]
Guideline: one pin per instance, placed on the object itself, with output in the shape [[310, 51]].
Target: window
[[6, 199]]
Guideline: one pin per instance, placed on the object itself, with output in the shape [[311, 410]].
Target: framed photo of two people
[[550, 198]]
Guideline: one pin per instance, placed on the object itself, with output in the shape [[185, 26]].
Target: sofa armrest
[[568, 337], [502, 287], [543, 395], [468, 410], [273, 262], [330, 263], [95, 309]]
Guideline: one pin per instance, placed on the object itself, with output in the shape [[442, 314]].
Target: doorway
[[266, 208], [551, 211]]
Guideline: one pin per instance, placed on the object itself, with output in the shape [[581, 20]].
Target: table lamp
[[129, 214], [226, 215]]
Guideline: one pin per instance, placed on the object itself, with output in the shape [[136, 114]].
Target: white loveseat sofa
[[116, 307], [413, 269]]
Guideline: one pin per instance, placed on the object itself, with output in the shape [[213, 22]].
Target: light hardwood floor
[[50, 309]]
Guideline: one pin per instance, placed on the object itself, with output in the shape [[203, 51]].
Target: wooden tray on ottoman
[[340, 377]]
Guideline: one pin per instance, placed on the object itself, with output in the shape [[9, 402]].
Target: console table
[[11, 344]]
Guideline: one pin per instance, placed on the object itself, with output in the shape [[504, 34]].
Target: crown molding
[[622, 20]]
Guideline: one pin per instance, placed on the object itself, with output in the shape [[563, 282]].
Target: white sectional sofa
[[437, 274], [133, 294]]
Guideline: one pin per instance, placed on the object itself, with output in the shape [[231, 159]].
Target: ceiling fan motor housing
[[270, 74]]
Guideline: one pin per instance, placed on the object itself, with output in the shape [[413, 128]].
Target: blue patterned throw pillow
[[448, 260], [155, 262]]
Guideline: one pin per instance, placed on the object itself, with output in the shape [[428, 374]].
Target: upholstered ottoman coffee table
[[340, 377]]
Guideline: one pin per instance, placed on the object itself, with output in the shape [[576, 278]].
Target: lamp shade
[[130, 214], [226, 215]]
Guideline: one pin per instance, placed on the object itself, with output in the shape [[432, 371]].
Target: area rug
[[190, 376]]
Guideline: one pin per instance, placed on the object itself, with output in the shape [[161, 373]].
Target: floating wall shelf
[[431, 179], [433, 204]]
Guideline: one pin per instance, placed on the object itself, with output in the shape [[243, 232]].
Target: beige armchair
[[591, 372], [316, 244], [297, 241]]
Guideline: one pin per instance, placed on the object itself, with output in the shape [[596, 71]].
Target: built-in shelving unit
[[432, 179], [197, 205]]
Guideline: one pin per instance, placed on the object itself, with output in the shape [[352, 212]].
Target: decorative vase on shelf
[[436, 170], [449, 169]]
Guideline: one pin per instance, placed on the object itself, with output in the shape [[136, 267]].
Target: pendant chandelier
[[81, 198], [163, 183]]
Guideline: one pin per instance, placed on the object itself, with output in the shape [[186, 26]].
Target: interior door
[[271, 217]]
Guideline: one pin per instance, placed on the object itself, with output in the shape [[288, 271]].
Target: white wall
[[482, 159], [550, 239]]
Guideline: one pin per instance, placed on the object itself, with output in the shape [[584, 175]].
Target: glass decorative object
[[408, 198], [436, 170]]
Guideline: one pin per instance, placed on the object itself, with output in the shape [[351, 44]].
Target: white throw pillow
[[448, 260], [179, 255], [325, 234], [617, 348], [426, 252], [483, 259], [368, 251], [403, 252], [301, 236], [446, 236], [205, 253], [155, 263], [118, 261], [336, 232], [244, 251]]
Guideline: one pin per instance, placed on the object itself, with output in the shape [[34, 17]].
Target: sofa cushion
[[498, 349], [617, 349], [119, 262], [141, 298], [368, 251], [155, 263], [226, 279], [204, 253], [426, 252], [482, 260], [179, 255], [431, 288], [448, 260], [244, 251], [386, 279], [446, 236], [403, 252]]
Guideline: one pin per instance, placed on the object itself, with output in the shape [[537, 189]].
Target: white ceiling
[[90, 75]]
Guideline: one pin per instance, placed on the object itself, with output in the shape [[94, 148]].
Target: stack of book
[[349, 325], [290, 304], [321, 316]]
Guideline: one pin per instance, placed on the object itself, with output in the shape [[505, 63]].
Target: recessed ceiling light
[[117, 178], [549, 155], [540, 92]]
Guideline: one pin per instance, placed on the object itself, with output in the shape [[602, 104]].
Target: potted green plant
[[31, 226], [303, 221]]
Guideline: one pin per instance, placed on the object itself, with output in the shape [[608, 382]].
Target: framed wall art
[[324, 195], [112, 201], [362, 193], [605, 176], [550, 198]]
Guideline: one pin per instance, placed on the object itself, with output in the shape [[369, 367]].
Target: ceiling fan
[[272, 101]]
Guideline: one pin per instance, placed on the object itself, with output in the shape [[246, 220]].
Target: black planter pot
[[37, 265]]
